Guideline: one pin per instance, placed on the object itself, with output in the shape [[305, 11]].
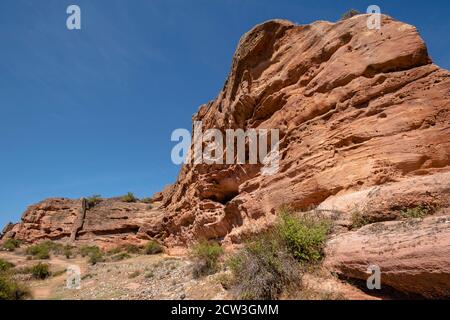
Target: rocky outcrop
[[356, 108], [49, 219], [110, 221], [364, 121], [363, 114], [413, 256]]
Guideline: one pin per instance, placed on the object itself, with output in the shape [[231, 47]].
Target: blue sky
[[91, 111]]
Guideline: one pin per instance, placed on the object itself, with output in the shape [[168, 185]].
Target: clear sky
[[91, 111]]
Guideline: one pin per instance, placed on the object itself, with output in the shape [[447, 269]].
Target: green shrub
[[68, 253], [359, 220], [5, 265], [153, 247], [129, 197], [94, 253], [304, 237], [271, 263], [11, 244], [86, 251], [42, 250], [40, 271], [12, 290], [147, 200], [350, 13], [93, 200], [263, 269], [131, 248], [55, 247], [96, 257], [134, 274], [126, 248], [39, 251], [22, 270], [206, 257], [420, 211], [120, 256], [113, 251]]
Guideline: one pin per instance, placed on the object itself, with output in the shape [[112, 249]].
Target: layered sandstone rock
[[364, 125], [356, 109], [413, 256], [111, 221]]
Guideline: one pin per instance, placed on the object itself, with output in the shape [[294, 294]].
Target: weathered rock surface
[[356, 109], [413, 255], [364, 123], [110, 221]]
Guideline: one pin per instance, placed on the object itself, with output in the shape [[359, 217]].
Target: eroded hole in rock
[[222, 190], [228, 197], [225, 197]]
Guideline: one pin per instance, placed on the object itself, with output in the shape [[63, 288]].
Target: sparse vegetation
[[262, 269], [39, 251], [131, 248], [11, 289], [123, 252], [147, 200], [87, 250], [129, 197], [303, 237], [272, 263], [93, 200], [206, 257], [11, 244], [40, 271], [420, 211], [43, 249], [120, 256], [68, 253], [54, 247], [5, 265], [134, 274], [113, 251], [96, 257], [94, 253], [153, 247], [359, 220], [350, 13]]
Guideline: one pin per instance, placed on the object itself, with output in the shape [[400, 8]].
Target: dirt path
[[44, 289], [154, 277]]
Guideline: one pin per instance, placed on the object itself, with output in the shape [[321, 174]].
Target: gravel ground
[[142, 278]]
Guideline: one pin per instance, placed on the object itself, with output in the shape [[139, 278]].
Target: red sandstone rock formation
[[357, 109], [364, 124], [413, 255], [111, 221]]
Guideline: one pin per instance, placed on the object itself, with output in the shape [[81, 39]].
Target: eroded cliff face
[[364, 125], [107, 223], [356, 109]]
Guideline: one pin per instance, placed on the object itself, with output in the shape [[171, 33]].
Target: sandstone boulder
[[109, 222], [413, 255], [356, 108]]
